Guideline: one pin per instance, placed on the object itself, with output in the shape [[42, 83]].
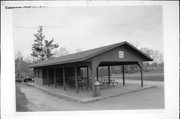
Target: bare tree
[[78, 50], [155, 55], [63, 51], [21, 66], [135, 44]]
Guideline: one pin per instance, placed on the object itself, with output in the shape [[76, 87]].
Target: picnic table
[[85, 83], [105, 81]]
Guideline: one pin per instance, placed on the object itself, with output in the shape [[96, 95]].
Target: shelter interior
[[78, 77]]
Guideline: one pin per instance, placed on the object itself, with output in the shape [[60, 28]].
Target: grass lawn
[[151, 76], [148, 77], [21, 101]]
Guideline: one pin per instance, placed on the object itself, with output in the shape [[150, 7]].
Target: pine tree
[[48, 47], [41, 48]]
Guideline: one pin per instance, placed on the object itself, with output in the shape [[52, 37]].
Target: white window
[[121, 54]]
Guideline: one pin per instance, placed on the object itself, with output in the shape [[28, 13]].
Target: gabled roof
[[84, 55]]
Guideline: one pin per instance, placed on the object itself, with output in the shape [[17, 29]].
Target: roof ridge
[[94, 48], [87, 54], [81, 52]]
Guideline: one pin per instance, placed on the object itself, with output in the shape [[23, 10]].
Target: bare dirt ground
[[152, 98]]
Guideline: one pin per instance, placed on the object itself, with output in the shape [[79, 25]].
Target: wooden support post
[[47, 77], [142, 77], [123, 75], [87, 77], [76, 79], [55, 77], [35, 73], [87, 73], [92, 70], [97, 74], [64, 83], [109, 78]]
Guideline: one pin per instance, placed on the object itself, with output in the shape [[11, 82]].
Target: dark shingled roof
[[84, 55]]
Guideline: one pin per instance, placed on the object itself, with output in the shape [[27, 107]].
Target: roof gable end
[[84, 55]]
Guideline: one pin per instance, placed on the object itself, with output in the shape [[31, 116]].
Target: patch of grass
[[147, 77], [21, 101], [151, 76]]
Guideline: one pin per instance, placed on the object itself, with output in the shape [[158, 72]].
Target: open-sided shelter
[[65, 70]]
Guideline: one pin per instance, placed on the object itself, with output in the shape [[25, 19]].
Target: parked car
[[18, 81], [28, 80]]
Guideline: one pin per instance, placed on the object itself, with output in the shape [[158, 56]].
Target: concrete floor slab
[[85, 96]]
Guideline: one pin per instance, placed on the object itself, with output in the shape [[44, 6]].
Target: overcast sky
[[90, 27]]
